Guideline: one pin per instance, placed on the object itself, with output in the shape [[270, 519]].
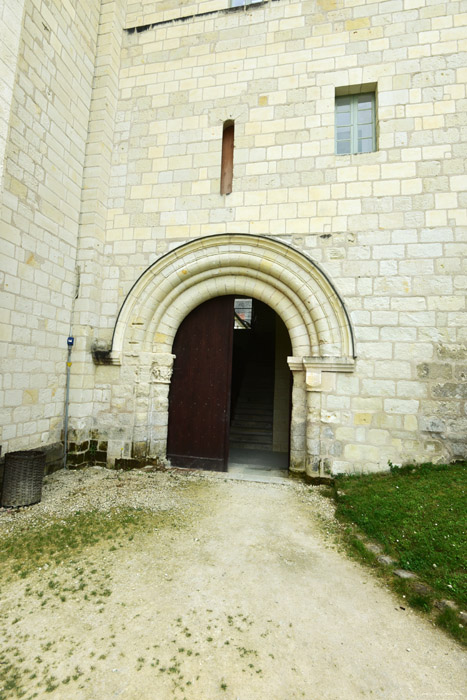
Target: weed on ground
[[62, 563], [58, 541]]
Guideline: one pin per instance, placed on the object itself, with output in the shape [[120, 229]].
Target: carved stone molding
[[161, 375], [329, 364], [240, 264], [315, 366], [295, 364], [162, 368]]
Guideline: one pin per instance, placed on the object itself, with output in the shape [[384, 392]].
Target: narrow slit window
[[227, 157]]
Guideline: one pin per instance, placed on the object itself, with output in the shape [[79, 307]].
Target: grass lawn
[[419, 516]]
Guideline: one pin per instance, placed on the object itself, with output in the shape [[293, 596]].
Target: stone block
[[402, 406]]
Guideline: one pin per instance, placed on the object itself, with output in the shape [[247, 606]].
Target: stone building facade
[[114, 228]]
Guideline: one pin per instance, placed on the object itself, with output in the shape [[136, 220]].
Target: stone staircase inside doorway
[[252, 420]]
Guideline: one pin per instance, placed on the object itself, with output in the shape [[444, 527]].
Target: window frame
[[353, 99], [245, 3]]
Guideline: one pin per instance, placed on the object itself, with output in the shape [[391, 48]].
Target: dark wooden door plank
[[199, 400]]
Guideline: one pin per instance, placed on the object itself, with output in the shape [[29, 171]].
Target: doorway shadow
[[259, 463], [260, 392]]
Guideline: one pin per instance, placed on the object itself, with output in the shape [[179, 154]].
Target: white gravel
[[243, 597], [96, 488]]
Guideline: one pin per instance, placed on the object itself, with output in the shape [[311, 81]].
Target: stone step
[[251, 423], [250, 434], [247, 417], [254, 413], [251, 445], [254, 406], [252, 420], [256, 383]]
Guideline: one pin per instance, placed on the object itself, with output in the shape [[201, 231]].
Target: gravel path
[[241, 596]]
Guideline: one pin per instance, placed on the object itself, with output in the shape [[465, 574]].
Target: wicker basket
[[22, 478]]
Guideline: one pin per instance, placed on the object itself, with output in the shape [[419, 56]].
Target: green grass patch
[[449, 621], [58, 540], [419, 516]]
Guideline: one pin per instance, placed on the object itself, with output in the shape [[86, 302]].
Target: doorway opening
[[260, 390], [230, 394]]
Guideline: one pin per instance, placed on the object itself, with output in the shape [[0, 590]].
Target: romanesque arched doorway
[[242, 266], [229, 397]]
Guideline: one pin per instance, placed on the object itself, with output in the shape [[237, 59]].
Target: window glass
[[355, 124], [243, 314], [365, 130], [343, 118], [365, 117], [343, 147], [364, 102], [241, 3], [343, 134], [365, 145]]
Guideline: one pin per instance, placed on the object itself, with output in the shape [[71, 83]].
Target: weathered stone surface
[[447, 604], [432, 425], [433, 371], [386, 560], [451, 351], [402, 573], [421, 588], [373, 547], [460, 373], [450, 390]]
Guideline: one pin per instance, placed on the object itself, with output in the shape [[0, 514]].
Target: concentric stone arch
[[244, 265], [263, 268]]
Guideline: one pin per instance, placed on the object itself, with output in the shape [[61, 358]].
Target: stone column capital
[[162, 368]]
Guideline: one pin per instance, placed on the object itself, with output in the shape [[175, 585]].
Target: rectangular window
[[355, 123]]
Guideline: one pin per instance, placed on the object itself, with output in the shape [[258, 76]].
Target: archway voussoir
[[243, 265], [263, 268]]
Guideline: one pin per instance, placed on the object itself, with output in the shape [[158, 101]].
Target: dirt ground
[[249, 599]]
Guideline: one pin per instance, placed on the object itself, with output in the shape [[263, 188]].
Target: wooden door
[[199, 399]]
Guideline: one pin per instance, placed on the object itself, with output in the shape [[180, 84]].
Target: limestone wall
[[388, 227], [96, 294], [43, 170], [113, 159], [11, 15]]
